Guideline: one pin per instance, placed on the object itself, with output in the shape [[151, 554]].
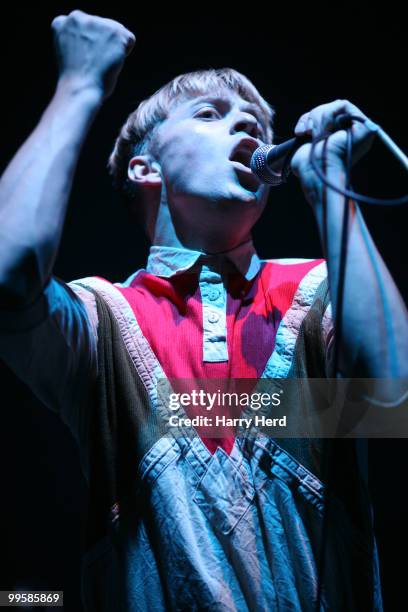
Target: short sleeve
[[51, 347]]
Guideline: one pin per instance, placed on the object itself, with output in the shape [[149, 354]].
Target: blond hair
[[136, 135]]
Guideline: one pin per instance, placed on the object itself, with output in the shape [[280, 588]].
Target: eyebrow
[[249, 106]]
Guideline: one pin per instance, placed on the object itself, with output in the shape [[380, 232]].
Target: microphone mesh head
[[259, 166]]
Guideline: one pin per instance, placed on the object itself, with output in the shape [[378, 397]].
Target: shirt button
[[213, 294], [213, 317]]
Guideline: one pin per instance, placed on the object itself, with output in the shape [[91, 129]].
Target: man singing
[[193, 523]]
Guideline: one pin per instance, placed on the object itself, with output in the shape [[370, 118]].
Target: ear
[[143, 171]]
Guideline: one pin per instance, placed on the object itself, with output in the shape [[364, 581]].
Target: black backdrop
[[297, 60]]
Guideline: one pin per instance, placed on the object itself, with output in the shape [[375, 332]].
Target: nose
[[245, 122]]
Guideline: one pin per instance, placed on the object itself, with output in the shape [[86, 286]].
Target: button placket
[[214, 302]]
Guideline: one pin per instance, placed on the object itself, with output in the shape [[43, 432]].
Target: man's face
[[204, 148]]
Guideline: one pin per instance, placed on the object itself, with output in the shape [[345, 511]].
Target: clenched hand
[[91, 51]]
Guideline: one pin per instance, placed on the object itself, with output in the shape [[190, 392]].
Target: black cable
[[328, 454], [326, 450], [338, 326], [348, 192], [327, 447]]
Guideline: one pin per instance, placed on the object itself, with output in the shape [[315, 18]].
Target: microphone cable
[[348, 192], [328, 445]]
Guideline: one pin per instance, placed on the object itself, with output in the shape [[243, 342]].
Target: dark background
[[297, 60]]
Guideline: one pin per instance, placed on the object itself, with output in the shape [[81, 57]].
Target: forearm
[[34, 192], [374, 323]]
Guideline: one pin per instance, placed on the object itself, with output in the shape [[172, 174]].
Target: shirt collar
[[168, 261]]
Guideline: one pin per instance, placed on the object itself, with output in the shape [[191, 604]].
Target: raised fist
[[90, 50]]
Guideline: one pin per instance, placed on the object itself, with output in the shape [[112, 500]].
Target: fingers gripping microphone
[[271, 163]]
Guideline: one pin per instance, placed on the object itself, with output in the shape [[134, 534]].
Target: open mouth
[[241, 158]]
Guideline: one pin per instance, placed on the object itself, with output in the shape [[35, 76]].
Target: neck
[[206, 237]]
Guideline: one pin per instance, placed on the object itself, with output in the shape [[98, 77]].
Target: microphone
[[271, 163]]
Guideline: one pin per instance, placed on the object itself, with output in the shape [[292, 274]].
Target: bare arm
[[374, 317], [35, 188]]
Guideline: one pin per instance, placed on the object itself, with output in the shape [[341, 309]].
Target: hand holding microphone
[[272, 163], [304, 153]]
